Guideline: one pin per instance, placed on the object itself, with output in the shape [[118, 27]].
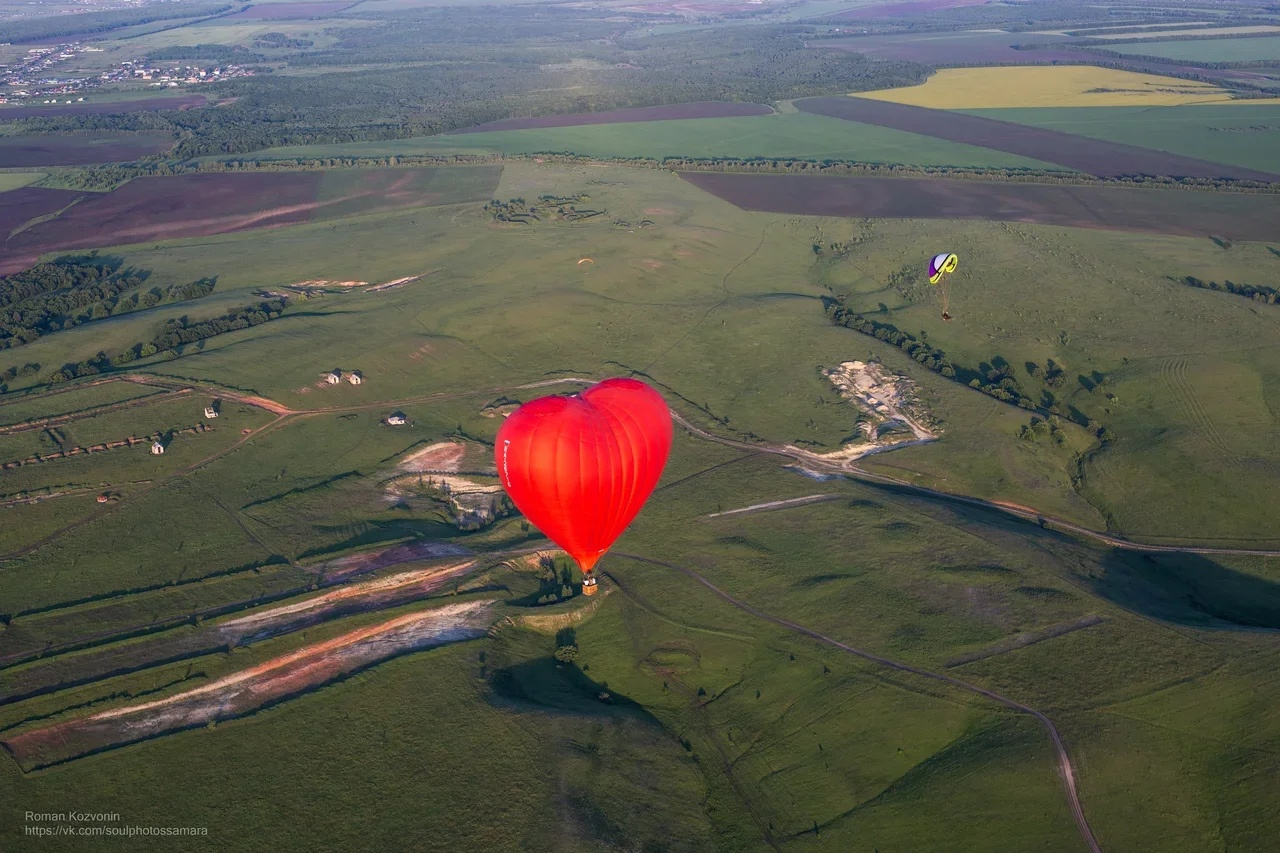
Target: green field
[[1208, 50], [780, 135], [16, 180], [725, 730], [1240, 134]]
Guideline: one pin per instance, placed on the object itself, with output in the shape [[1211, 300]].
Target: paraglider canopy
[[942, 264], [581, 466], [586, 261]]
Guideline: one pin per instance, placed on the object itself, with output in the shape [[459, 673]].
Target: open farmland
[[17, 151], [1093, 156], [902, 9], [104, 107], [1049, 86], [21, 206], [1242, 134], [791, 134], [706, 109], [949, 48], [708, 724], [166, 208], [1208, 50], [943, 49], [283, 11], [1188, 214]]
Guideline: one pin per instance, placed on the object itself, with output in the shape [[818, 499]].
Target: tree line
[[108, 176], [72, 291], [176, 333], [1256, 292], [995, 379]]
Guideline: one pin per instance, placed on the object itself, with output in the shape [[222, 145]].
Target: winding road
[[843, 468]]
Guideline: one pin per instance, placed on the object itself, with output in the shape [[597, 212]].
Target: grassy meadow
[[722, 730], [1050, 86], [793, 134], [1241, 134]]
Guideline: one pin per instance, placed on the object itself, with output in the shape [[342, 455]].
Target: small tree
[[566, 654]]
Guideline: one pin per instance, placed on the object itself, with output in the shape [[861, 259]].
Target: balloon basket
[[589, 586]]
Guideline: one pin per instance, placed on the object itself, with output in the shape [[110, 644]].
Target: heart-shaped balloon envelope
[[580, 467]]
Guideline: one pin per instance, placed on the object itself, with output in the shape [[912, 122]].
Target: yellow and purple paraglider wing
[[942, 264]]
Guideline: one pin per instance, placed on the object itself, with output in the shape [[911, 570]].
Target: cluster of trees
[[546, 207], [996, 381], [555, 583], [72, 291], [280, 40], [10, 373], [50, 27], [1052, 374], [226, 53], [931, 357], [176, 333], [1040, 427], [1256, 292]]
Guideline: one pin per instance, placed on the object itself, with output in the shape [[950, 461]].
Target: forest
[[468, 84]]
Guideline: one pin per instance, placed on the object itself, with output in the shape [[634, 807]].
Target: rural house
[[335, 377], [156, 448], [210, 412], [355, 377], [396, 420]]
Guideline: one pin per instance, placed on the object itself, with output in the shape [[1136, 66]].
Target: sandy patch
[[280, 678], [442, 456], [891, 415]]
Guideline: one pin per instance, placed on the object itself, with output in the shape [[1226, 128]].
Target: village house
[[210, 412], [355, 377], [396, 420], [156, 448], [334, 378]]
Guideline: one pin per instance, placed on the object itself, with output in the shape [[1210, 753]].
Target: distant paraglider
[[581, 466], [940, 267], [586, 261]]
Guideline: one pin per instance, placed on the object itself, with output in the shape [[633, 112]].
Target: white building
[[210, 413], [396, 420], [355, 378], [156, 448], [335, 377]]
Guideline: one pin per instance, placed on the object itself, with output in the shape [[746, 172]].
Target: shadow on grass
[[551, 685], [1188, 589]]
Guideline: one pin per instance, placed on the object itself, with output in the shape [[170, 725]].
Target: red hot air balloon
[[580, 466]]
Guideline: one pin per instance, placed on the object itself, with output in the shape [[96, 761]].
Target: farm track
[[285, 414], [1174, 374], [1024, 513], [71, 417], [1065, 768]]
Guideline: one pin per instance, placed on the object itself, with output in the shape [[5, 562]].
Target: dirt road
[[1064, 760]]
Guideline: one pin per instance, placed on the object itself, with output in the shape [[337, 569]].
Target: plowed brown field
[[1092, 156], [1178, 212]]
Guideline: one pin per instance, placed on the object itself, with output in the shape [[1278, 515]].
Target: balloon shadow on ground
[[1188, 589], [550, 684]]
